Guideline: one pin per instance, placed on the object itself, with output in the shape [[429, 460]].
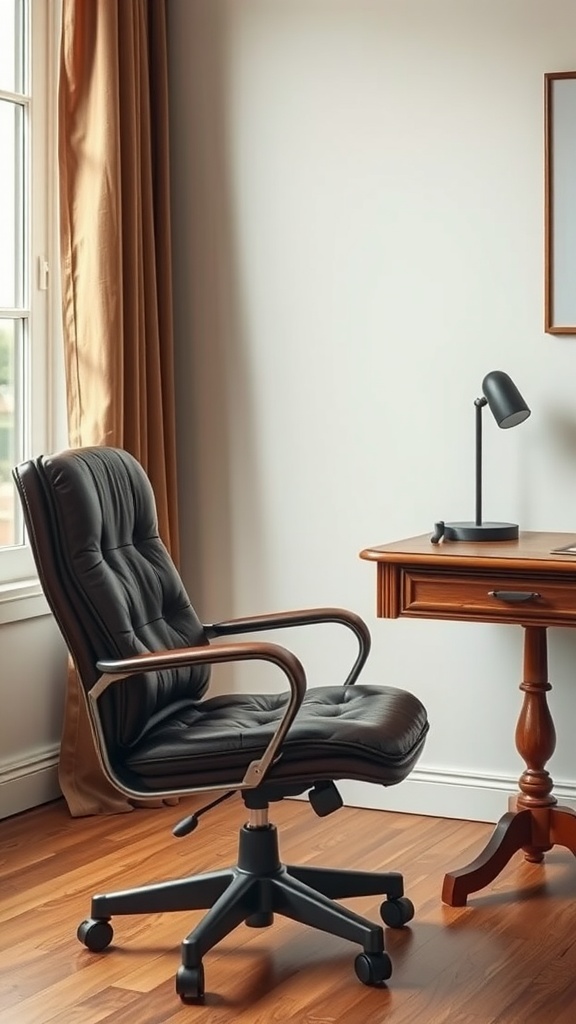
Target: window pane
[[11, 206], [10, 61], [10, 442]]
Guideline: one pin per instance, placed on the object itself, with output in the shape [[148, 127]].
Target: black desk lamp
[[508, 408]]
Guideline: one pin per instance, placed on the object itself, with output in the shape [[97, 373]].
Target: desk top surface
[[533, 549]]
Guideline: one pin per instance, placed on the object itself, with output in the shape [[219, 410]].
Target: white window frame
[[44, 420]]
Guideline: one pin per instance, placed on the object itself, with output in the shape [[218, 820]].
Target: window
[[27, 145]]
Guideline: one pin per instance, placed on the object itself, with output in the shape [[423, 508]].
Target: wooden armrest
[[115, 671], [301, 617]]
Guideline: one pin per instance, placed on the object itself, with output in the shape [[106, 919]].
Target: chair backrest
[[109, 580]]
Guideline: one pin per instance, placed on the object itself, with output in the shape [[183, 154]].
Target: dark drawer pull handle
[[513, 596]]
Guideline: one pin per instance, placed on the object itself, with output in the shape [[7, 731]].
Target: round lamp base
[[482, 531]]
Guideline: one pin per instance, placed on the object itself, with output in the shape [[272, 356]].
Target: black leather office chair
[[144, 659]]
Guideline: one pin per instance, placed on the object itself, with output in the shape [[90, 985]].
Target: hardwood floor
[[507, 958]]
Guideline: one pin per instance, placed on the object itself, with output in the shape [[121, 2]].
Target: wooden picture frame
[[560, 202]]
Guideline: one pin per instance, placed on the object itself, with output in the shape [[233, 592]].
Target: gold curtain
[[116, 280]]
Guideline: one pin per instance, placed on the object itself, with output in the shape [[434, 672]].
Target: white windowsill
[[22, 600]]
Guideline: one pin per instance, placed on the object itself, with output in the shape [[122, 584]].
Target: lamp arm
[[479, 404]]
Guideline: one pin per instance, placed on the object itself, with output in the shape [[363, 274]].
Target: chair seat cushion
[[372, 733]]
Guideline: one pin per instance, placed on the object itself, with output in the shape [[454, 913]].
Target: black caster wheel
[[95, 934], [190, 984], [397, 913], [259, 920], [373, 968]]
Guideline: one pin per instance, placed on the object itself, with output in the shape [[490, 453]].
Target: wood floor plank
[[507, 958]]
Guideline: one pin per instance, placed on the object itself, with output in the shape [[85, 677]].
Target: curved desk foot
[[513, 831], [563, 828], [535, 831]]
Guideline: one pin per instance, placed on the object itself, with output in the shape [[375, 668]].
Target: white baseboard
[[446, 794], [437, 792], [28, 782]]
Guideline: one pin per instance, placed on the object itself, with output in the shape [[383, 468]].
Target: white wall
[[33, 685], [358, 190]]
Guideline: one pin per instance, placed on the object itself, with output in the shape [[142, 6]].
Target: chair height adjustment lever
[[188, 824]]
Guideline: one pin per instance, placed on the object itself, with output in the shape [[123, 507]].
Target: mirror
[[560, 202]]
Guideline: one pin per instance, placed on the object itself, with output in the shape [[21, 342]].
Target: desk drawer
[[491, 598]]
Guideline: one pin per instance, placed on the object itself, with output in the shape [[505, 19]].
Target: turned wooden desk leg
[[536, 742], [529, 823]]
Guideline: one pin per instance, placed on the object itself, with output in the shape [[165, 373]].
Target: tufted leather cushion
[[117, 581], [373, 733]]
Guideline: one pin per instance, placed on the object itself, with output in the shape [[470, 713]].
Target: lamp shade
[[505, 401]]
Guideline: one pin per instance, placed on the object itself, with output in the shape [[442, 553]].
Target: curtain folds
[[116, 279]]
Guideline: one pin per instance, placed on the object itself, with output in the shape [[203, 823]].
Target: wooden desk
[[519, 582]]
